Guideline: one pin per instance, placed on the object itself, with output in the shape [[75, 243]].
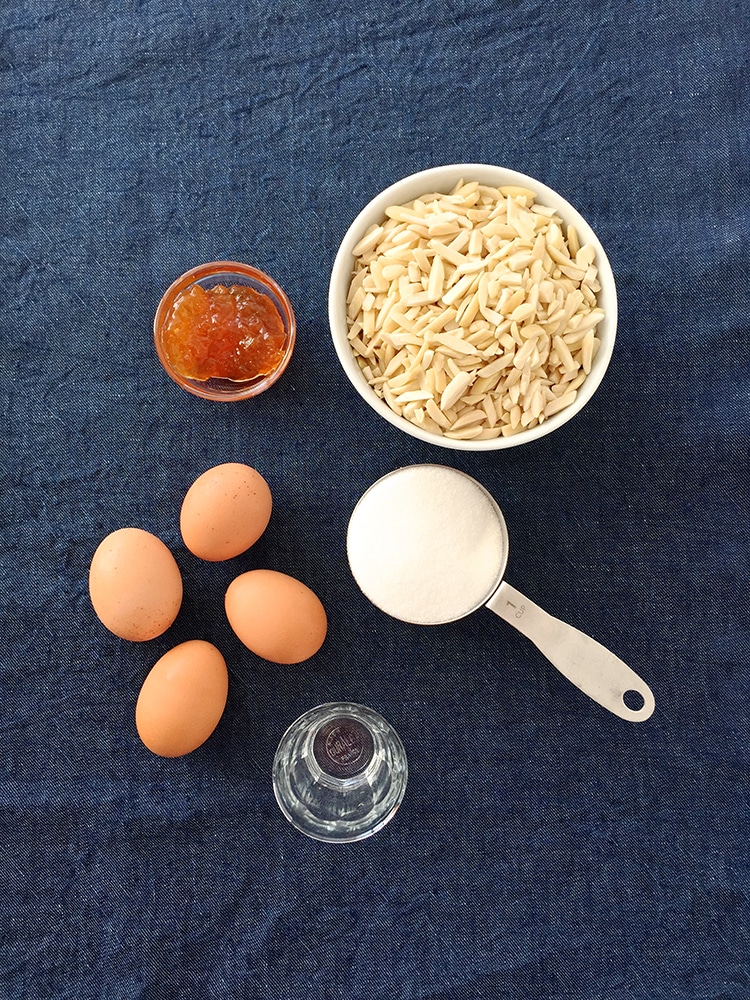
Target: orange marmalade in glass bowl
[[224, 331]]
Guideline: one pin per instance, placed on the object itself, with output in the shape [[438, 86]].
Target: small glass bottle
[[340, 772]]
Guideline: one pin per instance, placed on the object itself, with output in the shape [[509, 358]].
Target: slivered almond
[[436, 279], [455, 390], [468, 418]]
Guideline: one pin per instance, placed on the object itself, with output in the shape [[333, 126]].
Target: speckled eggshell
[[135, 584], [225, 511], [276, 616], [182, 699]]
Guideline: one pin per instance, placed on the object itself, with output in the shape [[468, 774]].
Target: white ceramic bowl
[[443, 179]]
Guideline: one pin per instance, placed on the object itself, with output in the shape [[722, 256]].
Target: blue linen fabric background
[[545, 848]]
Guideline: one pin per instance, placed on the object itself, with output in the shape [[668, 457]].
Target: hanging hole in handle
[[633, 700]]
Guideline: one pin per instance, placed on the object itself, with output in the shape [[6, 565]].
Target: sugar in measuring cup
[[446, 556]]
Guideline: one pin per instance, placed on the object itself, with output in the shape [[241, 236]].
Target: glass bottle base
[[340, 772]]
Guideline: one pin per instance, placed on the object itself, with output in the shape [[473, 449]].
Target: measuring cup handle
[[584, 661]]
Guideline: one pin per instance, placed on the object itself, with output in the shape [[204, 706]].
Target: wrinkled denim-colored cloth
[[545, 848]]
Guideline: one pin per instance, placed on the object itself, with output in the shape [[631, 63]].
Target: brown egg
[[182, 699], [276, 616], [135, 584], [225, 511]]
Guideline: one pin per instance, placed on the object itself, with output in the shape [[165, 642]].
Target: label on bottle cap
[[343, 747]]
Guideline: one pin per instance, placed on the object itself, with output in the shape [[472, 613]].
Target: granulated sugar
[[427, 544]]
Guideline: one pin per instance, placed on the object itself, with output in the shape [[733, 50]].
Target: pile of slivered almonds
[[473, 314]]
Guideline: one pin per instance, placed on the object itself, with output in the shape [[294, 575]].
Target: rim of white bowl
[[444, 177]]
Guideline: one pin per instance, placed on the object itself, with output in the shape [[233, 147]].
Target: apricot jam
[[224, 332]]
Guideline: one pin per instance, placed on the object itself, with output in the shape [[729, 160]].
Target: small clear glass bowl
[[226, 272]]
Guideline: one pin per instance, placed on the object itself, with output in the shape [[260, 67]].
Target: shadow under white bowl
[[443, 179]]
